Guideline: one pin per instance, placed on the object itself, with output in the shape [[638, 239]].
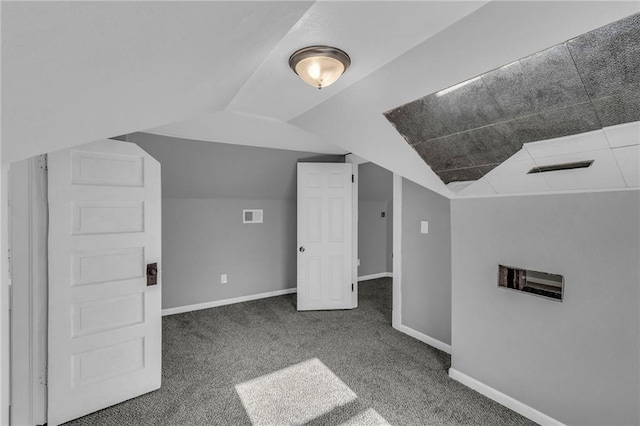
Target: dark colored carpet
[[208, 353]]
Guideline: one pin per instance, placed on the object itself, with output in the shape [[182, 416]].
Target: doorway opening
[[375, 234]]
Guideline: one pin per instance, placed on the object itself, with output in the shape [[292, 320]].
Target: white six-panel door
[[324, 236], [104, 321]]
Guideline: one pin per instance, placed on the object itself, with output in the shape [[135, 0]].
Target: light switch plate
[[424, 226], [252, 216]]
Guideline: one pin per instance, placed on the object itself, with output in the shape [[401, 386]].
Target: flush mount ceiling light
[[319, 66]]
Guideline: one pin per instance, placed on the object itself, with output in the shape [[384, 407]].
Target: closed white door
[[104, 320], [324, 236]]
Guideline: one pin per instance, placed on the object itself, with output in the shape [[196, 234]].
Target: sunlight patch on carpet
[[294, 395], [369, 417]]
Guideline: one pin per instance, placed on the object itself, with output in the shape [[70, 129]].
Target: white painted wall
[[244, 129], [576, 361]]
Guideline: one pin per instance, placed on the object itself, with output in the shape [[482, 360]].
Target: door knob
[[152, 274], [301, 249]]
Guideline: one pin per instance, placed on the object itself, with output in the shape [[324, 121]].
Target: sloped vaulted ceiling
[[584, 84]]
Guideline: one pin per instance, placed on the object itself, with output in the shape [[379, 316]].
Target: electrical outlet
[[223, 279]]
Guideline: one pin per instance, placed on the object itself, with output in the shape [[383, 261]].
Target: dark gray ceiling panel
[[573, 87], [493, 144], [553, 79], [554, 124], [623, 107], [508, 88], [608, 59], [450, 152], [404, 120], [460, 175], [464, 106]]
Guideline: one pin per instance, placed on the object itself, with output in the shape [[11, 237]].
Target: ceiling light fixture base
[[319, 66]]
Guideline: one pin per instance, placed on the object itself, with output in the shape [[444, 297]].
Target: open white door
[[324, 236], [104, 320]]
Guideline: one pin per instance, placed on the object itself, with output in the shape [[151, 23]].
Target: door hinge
[[352, 287], [43, 161], [353, 178], [10, 279], [10, 265]]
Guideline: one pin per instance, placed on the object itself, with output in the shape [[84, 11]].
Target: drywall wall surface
[[372, 237], [375, 193], [426, 262], [576, 360], [198, 169], [376, 183], [203, 239], [206, 185]]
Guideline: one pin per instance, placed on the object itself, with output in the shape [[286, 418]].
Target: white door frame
[[28, 223], [396, 315], [355, 161]]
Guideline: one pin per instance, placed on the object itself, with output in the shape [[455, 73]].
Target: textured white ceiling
[[494, 35], [614, 151], [245, 129], [372, 32], [74, 72]]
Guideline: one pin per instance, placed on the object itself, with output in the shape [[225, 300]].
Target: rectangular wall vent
[[252, 216], [534, 282], [563, 166]]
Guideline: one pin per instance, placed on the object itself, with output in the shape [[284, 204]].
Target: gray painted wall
[[197, 169], [375, 234], [376, 183], [577, 360], [203, 239], [205, 188], [372, 237], [426, 262]]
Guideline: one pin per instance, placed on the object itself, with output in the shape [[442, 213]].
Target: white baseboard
[[215, 303], [501, 398], [424, 338], [374, 276]]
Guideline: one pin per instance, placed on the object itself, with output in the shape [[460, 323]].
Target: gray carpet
[[263, 361]]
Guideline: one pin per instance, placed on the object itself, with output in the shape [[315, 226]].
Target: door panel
[[324, 236], [104, 322]]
